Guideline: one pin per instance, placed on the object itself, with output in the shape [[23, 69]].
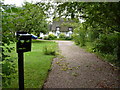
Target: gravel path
[[80, 69]]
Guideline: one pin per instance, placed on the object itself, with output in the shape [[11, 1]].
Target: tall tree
[[102, 16], [30, 18]]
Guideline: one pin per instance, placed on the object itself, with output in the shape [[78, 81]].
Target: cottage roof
[[60, 23]]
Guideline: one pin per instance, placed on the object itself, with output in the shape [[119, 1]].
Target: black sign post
[[23, 45], [21, 70]]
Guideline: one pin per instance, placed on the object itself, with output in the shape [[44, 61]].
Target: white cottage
[[58, 26]]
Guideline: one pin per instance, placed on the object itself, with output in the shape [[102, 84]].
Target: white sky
[[20, 2]]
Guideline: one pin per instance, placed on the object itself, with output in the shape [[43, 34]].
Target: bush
[[55, 37], [8, 66], [106, 44], [68, 38], [76, 39], [51, 37], [110, 58], [46, 38], [62, 36], [79, 36], [49, 50], [8, 72], [39, 37]]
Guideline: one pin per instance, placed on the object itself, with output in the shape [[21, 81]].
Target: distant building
[[59, 26]]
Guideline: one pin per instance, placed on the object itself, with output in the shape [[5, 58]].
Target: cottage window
[[70, 28], [57, 28]]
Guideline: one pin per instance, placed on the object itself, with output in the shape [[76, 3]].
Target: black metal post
[[21, 70]]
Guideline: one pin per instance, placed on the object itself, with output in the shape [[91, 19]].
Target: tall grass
[[49, 50]]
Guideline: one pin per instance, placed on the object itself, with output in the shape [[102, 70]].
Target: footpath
[[76, 68]]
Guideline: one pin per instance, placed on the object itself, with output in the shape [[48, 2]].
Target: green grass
[[36, 65]]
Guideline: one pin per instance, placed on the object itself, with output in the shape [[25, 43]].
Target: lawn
[[36, 65]]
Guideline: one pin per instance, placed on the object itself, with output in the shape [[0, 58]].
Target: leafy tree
[[80, 35], [8, 65], [30, 18], [100, 18]]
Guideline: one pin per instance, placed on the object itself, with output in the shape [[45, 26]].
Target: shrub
[[55, 37], [79, 36], [39, 37], [68, 38], [106, 43], [62, 36], [110, 58], [8, 72], [108, 46], [46, 38], [8, 66], [49, 50], [51, 36], [76, 39]]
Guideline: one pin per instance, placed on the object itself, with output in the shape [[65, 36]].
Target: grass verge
[[36, 65], [112, 59]]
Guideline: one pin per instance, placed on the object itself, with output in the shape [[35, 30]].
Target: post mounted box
[[23, 42]]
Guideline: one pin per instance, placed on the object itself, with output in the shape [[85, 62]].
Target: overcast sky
[[20, 2]]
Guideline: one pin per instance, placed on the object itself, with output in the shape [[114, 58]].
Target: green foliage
[[110, 58], [68, 38], [49, 50], [79, 35], [29, 18], [106, 43], [46, 38], [8, 71], [92, 34], [8, 65], [100, 27], [39, 37], [62, 36], [51, 36]]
